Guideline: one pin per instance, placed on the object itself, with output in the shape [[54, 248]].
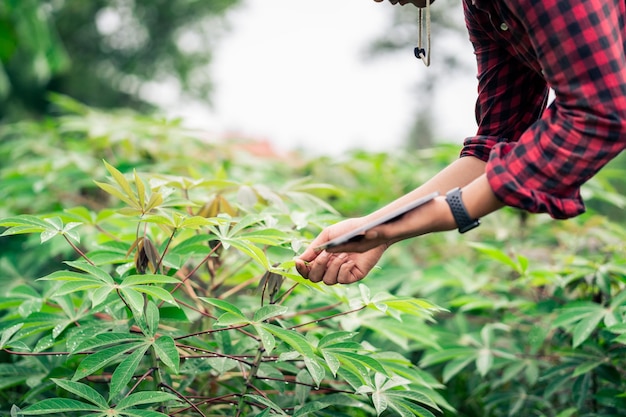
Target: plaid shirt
[[538, 158]]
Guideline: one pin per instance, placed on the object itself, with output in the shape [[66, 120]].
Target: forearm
[[458, 174]]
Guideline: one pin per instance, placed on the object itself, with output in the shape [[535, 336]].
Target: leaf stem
[[344, 313], [182, 397], [77, 249]]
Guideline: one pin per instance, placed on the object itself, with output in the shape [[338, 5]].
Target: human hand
[[418, 3], [339, 267]]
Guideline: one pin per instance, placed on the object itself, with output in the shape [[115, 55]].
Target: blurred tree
[[448, 36], [105, 53]]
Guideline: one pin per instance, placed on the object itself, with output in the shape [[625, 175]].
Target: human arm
[[351, 262]]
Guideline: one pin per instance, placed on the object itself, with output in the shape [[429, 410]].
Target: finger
[[317, 267], [313, 250], [332, 268], [302, 268], [349, 273]]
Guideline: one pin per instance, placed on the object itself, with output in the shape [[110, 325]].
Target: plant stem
[[251, 375], [182, 397], [80, 252], [169, 242], [345, 313]]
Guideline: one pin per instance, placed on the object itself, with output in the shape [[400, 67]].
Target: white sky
[[292, 72]]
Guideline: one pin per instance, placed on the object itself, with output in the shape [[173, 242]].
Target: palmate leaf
[[301, 345], [47, 227], [92, 270], [100, 359], [143, 398], [166, 350], [24, 224], [409, 409], [106, 339], [125, 371], [133, 298], [83, 391], [136, 412], [57, 405], [413, 396], [148, 279], [581, 319], [156, 292], [268, 403], [224, 305], [366, 361], [251, 250], [269, 311], [267, 339]]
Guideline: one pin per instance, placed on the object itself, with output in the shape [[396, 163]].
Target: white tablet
[[358, 233]]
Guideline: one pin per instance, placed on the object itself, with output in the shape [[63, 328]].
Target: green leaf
[[455, 366], [25, 220], [145, 397], [6, 335], [115, 192], [166, 350], [445, 355], [100, 359], [152, 317], [83, 391], [70, 277], [496, 254], [310, 408], [586, 326], [106, 339], [136, 412], [587, 367], [268, 403], [92, 270], [332, 361], [57, 405], [231, 319], [269, 311], [484, 361], [141, 189], [156, 292], [224, 305], [413, 396], [413, 409], [148, 279], [380, 402], [77, 286], [366, 361], [335, 337], [252, 251], [125, 371], [267, 339], [197, 222], [292, 338], [134, 299], [121, 180]]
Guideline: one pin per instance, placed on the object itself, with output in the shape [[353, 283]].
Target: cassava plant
[[181, 301]]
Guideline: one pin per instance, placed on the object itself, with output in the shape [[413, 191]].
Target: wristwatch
[[462, 218]]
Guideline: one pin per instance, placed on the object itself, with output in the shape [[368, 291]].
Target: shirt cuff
[[512, 190], [479, 146]]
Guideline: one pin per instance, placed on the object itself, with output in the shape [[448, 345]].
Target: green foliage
[[174, 292], [147, 272]]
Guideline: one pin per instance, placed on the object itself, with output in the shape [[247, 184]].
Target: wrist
[[462, 219]]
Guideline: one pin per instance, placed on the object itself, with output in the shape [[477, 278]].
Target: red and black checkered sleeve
[[539, 165]]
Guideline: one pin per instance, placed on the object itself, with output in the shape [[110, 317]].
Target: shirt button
[[504, 26]]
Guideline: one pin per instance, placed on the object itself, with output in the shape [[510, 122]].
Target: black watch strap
[[462, 218]]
